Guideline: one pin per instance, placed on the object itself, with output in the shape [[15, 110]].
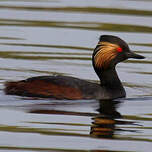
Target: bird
[[109, 51]]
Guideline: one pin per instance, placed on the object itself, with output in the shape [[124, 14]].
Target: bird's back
[[59, 87]]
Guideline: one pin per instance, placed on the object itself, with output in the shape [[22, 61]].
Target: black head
[[110, 51]]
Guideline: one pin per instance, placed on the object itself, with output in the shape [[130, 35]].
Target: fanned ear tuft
[[107, 51]]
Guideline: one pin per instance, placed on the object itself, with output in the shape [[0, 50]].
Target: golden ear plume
[[106, 53]]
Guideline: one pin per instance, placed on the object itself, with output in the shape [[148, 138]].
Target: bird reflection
[[106, 120], [104, 124], [109, 108]]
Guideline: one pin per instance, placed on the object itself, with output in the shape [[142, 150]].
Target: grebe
[[109, 51]]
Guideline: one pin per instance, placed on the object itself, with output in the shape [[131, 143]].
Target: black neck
[[109, 78]]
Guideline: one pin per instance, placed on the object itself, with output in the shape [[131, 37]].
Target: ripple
[[83, 10], [79, 25]]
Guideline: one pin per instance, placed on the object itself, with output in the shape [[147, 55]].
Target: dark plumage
[[109, 51]]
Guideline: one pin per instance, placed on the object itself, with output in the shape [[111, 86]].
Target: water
[[52, 37]]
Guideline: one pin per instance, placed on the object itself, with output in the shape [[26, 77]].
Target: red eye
[[119, 49]]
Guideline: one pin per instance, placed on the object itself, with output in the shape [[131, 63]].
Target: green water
[[50, 37]]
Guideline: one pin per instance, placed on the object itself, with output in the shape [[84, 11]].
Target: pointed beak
[[131, 54]]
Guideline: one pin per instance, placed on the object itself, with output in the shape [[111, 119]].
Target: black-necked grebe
[[109, 51]]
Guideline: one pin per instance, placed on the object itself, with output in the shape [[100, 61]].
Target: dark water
[[48, 37]]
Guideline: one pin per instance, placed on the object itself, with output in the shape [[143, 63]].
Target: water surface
[[53, 37]]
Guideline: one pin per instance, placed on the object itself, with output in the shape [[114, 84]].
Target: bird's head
[[111, 50]]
